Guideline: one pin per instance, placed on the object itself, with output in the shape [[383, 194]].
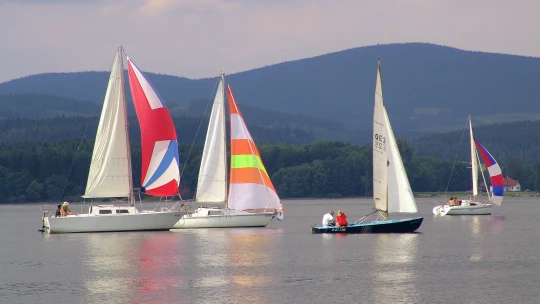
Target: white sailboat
[[251, 200], [391, 189], [473, 206], [110, 173]]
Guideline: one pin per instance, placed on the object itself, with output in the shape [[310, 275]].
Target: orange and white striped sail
[[250, 187]]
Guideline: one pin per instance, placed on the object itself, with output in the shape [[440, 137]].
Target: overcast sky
[[200, 38]]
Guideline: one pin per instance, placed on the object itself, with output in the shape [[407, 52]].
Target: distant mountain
[[43, 106], [427, 88]]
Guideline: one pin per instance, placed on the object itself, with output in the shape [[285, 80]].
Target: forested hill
[[426, 87], [509, 142], [78, 127], [49, 108]]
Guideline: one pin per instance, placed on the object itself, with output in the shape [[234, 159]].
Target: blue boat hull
[[390, 226]]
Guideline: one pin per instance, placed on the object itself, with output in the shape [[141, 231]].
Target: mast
[[224, 154], [212, 182], [474, 163], [131, 195], [380, 146]]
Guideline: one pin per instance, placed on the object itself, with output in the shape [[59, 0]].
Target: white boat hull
[[112, 222], [466, 208], [223, 218]]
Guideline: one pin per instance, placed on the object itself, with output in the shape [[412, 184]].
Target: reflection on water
[[224, 265], [248, 251], [126, 267], [108, 267], [394, 277], [483, 230]]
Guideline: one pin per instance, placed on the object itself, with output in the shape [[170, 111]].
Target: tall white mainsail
[[380, 158], [474, 162], [212, 184], [110, 168], [391, 189]]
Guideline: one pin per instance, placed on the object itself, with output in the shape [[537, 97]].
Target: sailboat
[[473, 206], [391, 189], [110, 168], [245, 198]]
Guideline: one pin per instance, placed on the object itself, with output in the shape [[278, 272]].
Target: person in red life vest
[[341, 219]]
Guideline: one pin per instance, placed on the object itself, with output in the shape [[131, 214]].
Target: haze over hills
[[426, 87]]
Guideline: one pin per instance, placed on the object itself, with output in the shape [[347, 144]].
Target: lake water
[[460, 259]]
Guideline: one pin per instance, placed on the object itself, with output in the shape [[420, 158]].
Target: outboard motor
[[43, 221]]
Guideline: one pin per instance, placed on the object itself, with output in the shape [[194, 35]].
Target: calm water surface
[[460, 259]]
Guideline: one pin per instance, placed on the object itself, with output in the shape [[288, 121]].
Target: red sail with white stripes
[[160, 174]]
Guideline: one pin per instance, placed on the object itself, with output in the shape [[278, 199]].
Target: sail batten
[[110, 167], [160, 174]]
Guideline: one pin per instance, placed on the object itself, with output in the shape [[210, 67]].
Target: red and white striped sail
[[250, 187], [160, 174]]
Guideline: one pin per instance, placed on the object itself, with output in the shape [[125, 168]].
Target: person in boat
[[341, 219], [456, 202], [451, 201], [328, 219], [65, 209], [58, 211]]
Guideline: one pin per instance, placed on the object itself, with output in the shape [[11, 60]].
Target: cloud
[[199, 38], [154, 8]]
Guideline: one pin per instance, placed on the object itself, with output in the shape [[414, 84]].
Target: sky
[[201, 38]]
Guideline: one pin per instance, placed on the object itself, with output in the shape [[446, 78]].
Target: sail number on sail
[[380, 142]]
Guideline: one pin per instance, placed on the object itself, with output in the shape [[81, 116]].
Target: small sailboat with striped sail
[[473, 206], [244, 198], [391, 189], [110, 168]]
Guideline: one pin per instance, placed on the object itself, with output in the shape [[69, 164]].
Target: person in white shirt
[[328, 219]]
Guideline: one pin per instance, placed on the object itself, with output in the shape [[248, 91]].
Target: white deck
[[205, 217], [466, 208], [109, 218]]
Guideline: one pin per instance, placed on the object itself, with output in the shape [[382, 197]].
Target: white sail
[[110, 168], [474, 162], [400, 195], [212, 184], [380, 159]]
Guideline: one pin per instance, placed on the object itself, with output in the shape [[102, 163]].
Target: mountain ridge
[[427, 87]]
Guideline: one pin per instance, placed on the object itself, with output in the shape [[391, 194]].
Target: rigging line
[[199, 128], [455, 159]]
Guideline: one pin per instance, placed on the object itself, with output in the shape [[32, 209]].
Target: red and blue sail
[[160, 174], [495, 173]]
